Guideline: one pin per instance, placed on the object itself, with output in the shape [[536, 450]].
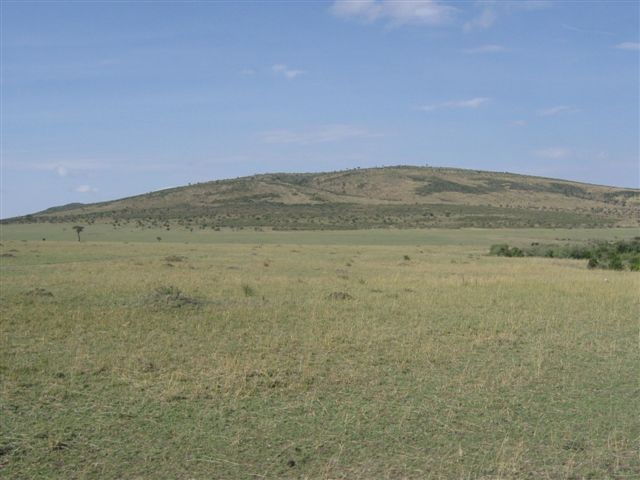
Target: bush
[[248, 290], [503, 250], [579, 253], [619, 255], [615, 263], [172, 297], [500, 250]]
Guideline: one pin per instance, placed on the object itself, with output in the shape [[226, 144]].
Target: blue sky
[[102, 100]]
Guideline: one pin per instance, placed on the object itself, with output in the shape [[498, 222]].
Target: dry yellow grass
[[448, 364]]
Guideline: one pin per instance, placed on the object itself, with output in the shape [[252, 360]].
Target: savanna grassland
[[359, 355]]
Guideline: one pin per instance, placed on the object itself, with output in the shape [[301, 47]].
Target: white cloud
[[406, 12], [628, 46], [554, 153], [519, 123], [69, 167], [485, 19], [322, 134], [486, 49], [471, 103], [289, 73], [530, 4], [492, 9], [585, 30], [247, 71], [368, 10], [557, 110], [61, 168], [85, 189]]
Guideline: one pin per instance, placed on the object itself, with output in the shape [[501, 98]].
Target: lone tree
[[78, 229]]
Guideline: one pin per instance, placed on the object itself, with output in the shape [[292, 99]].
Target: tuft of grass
[[248, 290], [172, 297], [339, 296], [175, 258], [39, 292]]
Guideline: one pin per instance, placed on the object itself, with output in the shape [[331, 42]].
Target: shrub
[[500, 250], [503, 250], [578, 252], [615, 263], [171, 296], [618, 255], [339, 296], [248, 290]]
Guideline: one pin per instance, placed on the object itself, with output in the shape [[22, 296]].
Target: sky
[[101, 100]]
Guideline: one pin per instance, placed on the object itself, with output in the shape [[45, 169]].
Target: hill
[[402, 197]]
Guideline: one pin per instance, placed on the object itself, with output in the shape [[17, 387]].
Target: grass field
[[359, 355], [478, 237]]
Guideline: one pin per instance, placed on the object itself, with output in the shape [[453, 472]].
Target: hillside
[[402, 197]]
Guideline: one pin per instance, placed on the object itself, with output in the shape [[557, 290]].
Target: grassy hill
[[402, 197]]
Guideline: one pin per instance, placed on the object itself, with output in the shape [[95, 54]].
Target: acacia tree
[[78, 229]]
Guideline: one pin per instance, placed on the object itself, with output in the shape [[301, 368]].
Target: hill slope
[[401, 196]]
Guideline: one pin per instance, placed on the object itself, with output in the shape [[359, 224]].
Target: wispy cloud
[[554, 153], [73, 167], [321, 134], [485, 19], [518, 123], [407, 12], [490, 10], [628, 46], [61, 168], [557, 110], [285, 71], [247, 72], [486, 49], [470, 103], [585, 30], [85, 189]]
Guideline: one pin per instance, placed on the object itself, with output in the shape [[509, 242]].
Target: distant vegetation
[[78, 229], [618, 255], [391, 197]]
